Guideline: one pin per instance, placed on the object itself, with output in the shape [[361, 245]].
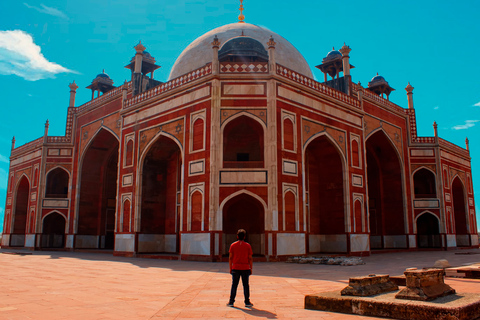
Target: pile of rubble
[[342, 261]]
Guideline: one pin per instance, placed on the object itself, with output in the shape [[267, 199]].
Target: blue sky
[[45, 45]]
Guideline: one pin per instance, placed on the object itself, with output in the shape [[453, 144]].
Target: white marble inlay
[[196, 243], [290, 167], [357, 180], [65, 152], [243, 177], [359, 242], [290, 243], [55, 203], [434, 203], [309, 102], [454, 158], [161, 107], [53, 152], [451, 240], [27, 157], [196, 167], [125, 242], [422, 153], [127, 180], [244, 89]]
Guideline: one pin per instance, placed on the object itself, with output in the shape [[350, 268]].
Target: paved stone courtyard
[[64, 285]]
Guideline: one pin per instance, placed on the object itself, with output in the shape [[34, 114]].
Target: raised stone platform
[[465, 306]]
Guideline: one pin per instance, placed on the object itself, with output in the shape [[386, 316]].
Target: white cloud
[[4, 159], [468, 124], [477, 104], [436, 108], [20, 56], [48, 10]]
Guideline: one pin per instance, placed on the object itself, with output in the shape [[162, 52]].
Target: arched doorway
[[243, 144], [98, 190], [53, 234], [21, 211], [428, 231], [385, 194], [57, 184], [160, 198], [460, 213], [244, 212], [424, 184], [326, 204]]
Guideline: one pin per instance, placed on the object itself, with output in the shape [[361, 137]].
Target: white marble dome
[[200, 52]]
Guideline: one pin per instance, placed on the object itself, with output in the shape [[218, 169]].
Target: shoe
[[230, 304], [249, 305]]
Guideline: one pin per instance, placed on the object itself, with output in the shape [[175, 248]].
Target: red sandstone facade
[[243, 141]]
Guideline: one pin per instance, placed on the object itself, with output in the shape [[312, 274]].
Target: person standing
[[241, 263]]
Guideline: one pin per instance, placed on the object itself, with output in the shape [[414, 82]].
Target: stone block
[[425, 285], [369, 286], [442, 263]]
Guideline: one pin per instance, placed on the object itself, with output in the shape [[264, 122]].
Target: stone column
[[467, 145], [345, 50], [272, 64], [215, 62], [124, 93], [137, 74], [409, 90], [45, 134], [73, 90]]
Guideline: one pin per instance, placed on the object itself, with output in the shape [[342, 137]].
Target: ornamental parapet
[[172, 84], [367, 94], [453, 147], [100, 101], [59, 139], [27, 147], [233, 67], [317, 86]]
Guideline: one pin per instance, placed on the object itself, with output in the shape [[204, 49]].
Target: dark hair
[[241, 234]]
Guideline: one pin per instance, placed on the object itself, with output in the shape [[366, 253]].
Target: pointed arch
[[159, 217], [249, 134], [245, 210], [388, 220], [57, 182], [327, 205], [427, 227], [460, 212], [424, 183], [94, 220], [53, 226], [20, 211]]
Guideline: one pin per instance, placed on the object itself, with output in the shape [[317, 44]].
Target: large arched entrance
[[53, 234], [428, 231], [385, 194], [460, 213], [98, 190], [244, 212], [160, 203], [21, 211], [326, 206]]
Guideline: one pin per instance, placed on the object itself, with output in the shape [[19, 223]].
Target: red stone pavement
[[79, 285]]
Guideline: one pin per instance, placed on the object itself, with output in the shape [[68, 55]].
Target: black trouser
[[236, 274]]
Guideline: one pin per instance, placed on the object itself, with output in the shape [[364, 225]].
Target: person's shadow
[[259, 313]]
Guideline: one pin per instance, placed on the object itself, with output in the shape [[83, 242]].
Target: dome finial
[[241, 17]]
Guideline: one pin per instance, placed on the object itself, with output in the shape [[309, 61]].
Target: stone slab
[[460, 306], [369, 285], [424, 284]]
